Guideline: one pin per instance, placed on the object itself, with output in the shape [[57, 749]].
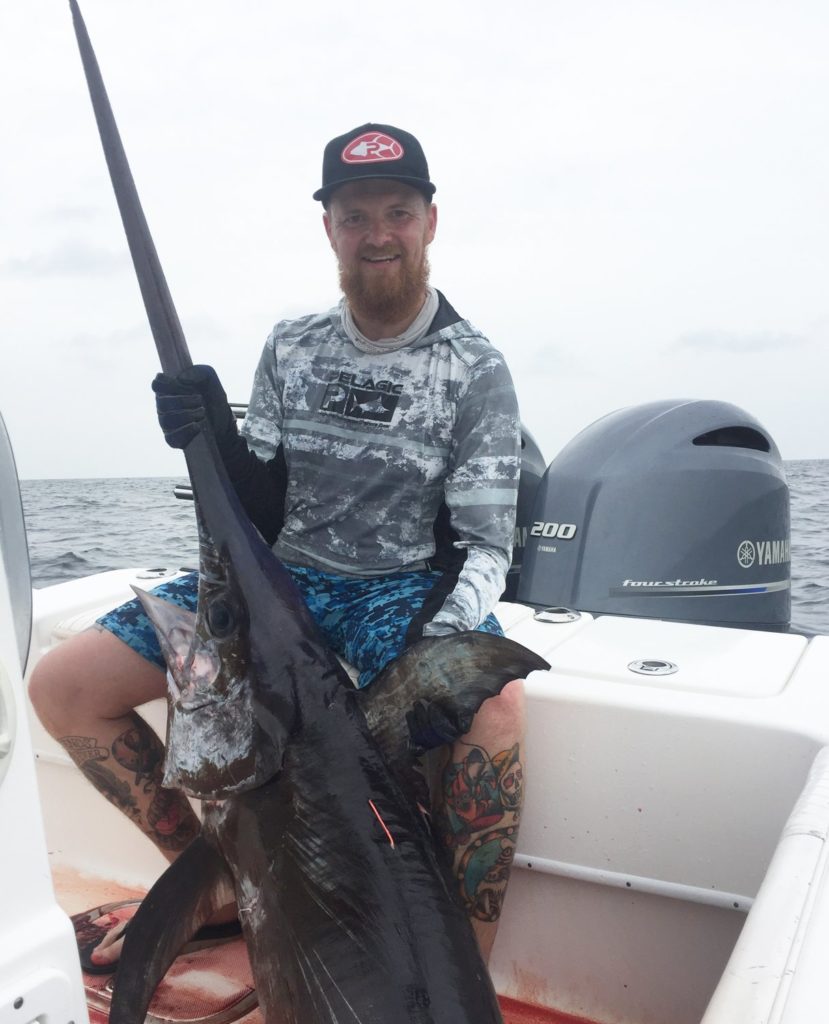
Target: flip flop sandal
[[92, 927]]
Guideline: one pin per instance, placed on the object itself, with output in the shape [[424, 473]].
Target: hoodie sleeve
[[262, 427], [480, 492]]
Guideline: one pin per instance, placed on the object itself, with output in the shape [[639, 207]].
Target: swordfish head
[[242, 668], [214, 742]]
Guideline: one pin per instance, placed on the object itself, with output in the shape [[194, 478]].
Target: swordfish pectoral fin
[[195, 885], [470, 668], [429, 695]]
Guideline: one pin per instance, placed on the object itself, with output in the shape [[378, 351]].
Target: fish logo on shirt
[[351, 398]]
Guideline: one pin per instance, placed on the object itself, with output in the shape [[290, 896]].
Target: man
[[380, 456]]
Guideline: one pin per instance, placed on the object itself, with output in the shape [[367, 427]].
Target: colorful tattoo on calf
[[510, 773], [483, 873], [478, 821]]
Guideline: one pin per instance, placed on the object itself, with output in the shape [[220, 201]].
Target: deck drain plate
[[653, 667], [556, 615]]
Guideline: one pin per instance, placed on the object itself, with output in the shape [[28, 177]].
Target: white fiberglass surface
[[15, 553]]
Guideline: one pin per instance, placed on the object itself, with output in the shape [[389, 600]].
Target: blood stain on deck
[[516, 1012]]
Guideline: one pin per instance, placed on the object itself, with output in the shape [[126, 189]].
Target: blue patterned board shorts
[[368, 621]]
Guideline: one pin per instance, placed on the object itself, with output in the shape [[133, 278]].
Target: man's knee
[[53, 688], [502, 715], [91, 675]]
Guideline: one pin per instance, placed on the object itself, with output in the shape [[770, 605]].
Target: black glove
[[434, 724], [186, 400]]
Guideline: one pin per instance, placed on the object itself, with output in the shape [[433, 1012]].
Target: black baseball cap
[[374, 151]]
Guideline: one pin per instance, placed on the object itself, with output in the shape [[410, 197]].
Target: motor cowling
[[672, 510]]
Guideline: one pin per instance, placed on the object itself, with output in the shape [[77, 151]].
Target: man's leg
[[85, 693], [478, 803]]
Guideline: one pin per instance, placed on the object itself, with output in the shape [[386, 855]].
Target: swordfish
[[310, 799]]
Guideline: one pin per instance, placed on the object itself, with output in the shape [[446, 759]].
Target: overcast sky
[[632, 200]]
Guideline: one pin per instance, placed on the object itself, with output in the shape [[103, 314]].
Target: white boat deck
[[668, 860]]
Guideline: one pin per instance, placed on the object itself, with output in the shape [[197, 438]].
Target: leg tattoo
[[477, 825], [90, 757], [128, 773]]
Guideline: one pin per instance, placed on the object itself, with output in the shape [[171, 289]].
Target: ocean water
[[77, 527], [809, 487]]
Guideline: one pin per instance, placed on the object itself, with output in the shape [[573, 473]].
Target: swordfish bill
[[164, 321]]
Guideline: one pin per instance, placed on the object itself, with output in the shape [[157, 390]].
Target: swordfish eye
[[224, 615]]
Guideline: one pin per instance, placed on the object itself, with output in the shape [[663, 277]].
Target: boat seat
[[74, 624], [777, 967]]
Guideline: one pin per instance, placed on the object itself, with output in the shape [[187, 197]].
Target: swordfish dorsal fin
[[428, 696]]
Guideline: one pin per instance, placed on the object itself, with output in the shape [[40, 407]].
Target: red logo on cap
[[372, 148]]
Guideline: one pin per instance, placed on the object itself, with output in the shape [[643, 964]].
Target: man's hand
[[187, 401], [184, 401]]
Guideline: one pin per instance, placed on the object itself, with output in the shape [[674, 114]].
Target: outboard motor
[[671, 510]]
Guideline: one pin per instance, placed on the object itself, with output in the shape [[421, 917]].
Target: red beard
[[392, 298]]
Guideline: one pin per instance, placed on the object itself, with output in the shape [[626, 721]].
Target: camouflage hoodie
[[374, 444]]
